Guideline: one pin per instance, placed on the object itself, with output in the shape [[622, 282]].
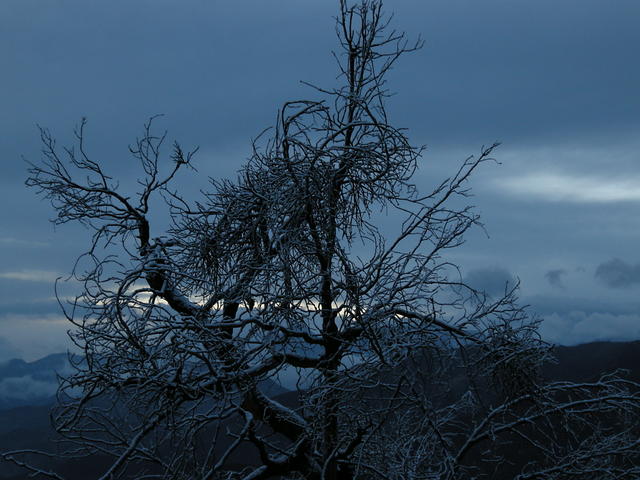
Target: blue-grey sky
[[557, 82]]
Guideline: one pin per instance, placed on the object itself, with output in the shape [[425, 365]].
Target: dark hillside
[[587, 362], [29, 426]]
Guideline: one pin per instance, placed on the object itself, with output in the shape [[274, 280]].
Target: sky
[[555, 81]]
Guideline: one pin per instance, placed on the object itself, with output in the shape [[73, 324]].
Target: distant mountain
[[31, 383], [35, 383], [43, 369]]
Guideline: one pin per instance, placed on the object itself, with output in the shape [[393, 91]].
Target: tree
[[402, 370]]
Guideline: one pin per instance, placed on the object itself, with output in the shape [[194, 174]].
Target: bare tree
[[401, 370]]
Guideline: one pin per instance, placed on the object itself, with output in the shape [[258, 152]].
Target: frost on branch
[[400, 370]]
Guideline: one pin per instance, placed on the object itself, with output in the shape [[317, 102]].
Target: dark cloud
[[554, 277], [492, 281], [532, 75], [617, 273]]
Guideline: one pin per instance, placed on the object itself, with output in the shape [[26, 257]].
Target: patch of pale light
[[23, 243], [31, 276], [561, 187], [64, 299], [145, 298]]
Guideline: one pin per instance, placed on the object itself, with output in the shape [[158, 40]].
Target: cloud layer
[[580, 327]]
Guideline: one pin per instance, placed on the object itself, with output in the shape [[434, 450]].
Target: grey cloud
[[18, 295], [7, 350], [492, 281], [617, 273], [554, 277], [33, 336], [580, 327]]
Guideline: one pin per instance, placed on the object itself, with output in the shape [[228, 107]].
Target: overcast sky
[[557, 82]]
